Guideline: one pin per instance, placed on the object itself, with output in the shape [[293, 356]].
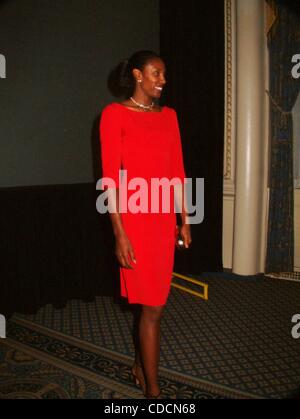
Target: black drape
[[54, 247], [283, 41], [192, 46]]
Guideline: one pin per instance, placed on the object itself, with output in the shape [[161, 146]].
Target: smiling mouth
[[158, 88]]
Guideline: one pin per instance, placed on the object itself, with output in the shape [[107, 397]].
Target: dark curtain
[[192, 46], [54, 247], [283, 42]]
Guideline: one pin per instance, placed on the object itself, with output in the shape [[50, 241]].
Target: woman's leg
[[137, 368], [135, 334], [149, 344]]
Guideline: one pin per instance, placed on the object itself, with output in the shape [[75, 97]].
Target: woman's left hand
[[185, 232]]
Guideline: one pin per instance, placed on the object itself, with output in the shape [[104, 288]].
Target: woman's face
[[153, 78]]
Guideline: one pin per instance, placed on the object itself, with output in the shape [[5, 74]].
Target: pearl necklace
[[140, 105]]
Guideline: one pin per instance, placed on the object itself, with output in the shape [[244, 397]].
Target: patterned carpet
[[236, 345], [37, 363]]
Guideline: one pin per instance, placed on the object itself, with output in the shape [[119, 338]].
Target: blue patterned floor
[[240, 339], [40, 363]]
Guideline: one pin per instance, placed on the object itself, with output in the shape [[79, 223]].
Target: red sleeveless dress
[[147, 145]]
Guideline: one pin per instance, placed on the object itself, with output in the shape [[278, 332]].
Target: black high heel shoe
[[152, 396], [138, 377]]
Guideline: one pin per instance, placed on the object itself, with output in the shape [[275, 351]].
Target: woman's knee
[[153, 314]]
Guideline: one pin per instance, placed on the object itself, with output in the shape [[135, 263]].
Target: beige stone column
[[249, 208]]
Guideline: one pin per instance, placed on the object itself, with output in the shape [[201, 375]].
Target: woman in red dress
[[143, 139]]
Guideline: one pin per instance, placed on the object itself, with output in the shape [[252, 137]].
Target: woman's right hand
[[124, 251]]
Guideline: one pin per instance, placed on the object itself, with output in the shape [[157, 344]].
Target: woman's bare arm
[[123, 250], [181, 203]]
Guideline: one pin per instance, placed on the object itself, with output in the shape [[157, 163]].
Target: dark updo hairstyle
[[138, 60]]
